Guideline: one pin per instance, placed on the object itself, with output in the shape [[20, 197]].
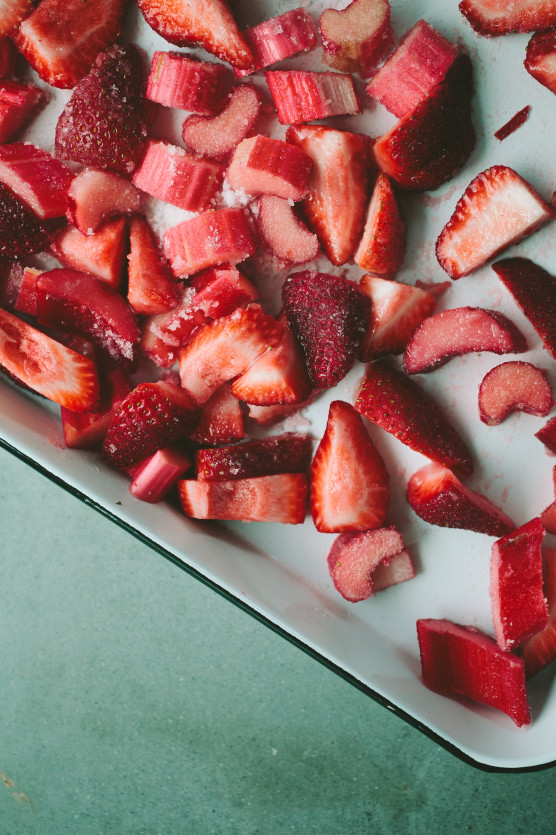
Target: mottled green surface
[[135, 700]]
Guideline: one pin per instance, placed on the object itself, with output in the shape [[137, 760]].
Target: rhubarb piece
[[355, 557], [540, 58], [219, 290], [398, 569], [540, 649], [155, 477], [8, 55], [79, 303], [514, 386], [224, 348], [548, 516], [175, 80], [18, 105], [101, 254], [497, 17], [300, 96], [12, 12], [87, 429], [95, 196], [211, 238], [328, 316], [516, 589], [410, 74], [350, 488], [286, 236], [151, 287], [398, 405], [497, 209], [269, 166], [21, 232], [280, 38], [164, 334], [461, 661], [287, 453], [460, 330], [432, 141], [47, 366], [272, 498], [547, 435], [208, 23], [222, 419], [338, 186], [381, 250], [356, 38], [103, 123], [438, 497], [26, 301], [513, 124], [218, 136], [396, 310], [38, 178]]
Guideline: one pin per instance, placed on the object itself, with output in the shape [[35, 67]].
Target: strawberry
[[540, 649], [328, 315], [101, 254], [540, 58], [21, 232], [356, 38], [218, 136], [279, 38], [26, 301], [95, 196], [18, 104], [155, 477], [151, 288], [349, 482], [497, 209], [355, 557], [219, 290], [462, 661], [164, 334], [514, 386], [261, 165], [516, 589], [11, 277], [513, 124], [432, 141], [62, 38], [547, 435], [300, 96], [87, 429], [109, 98], [207, 23], [548, 516], [38, 178], [381, 250], [222, 419], [175, 80], [398, 405], [152, 416], [12, 12], [286, 236], [439, 497], [46, 366], [288, 453], [492, 17], [8, 55], [338, 186]]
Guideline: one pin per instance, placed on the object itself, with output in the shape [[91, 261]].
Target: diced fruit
[[21, 232], [270, 415], [208, 23], [514, 386], [438, 497], [18, 104], [355, 557], [396, 310], [279, 38], [540, 650], [219, 290], [273, 498], [398, 405], [398, 569], [300, 96], [328, 315], [103, 123], [8, 52], [151, 287], [460, 330], [11, 277], [410, 74], [12, 12], [164, 334], [547, 435], [381, 250], [435, 288], [461, 661], [516, 589], [349, 483], [432, 141], [286, 236], [356, 38], [94, 196], [27, 298], [497, 17], [101, 254], [38, 178], [218, 136], [222, 419], [288, 453], [175, 80], [497, 209], [211, 238], [540, 58], [338, 186], [47, 366], [86, 429], [548, 516], [153, 480], [513, 124], [261, 165]]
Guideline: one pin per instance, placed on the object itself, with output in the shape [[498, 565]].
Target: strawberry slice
[[218, 136], [155, 477], [175, 80], [513, 124], [151, 287], [12, 12], [390, 572], [18, 104], [355, 557], [163, 335], [8, 54], [206, 23], [398, 405], [514, 386], [110, 97], [222, 419], [516, 588], [432, 141], [300, 96], [286, 236], [497, 209], [95, 196], [497, 17], [356, 38], [280, 38], [328, 316], [87, 429], [288, 453], [540, 649], [396, 310], [101, 254], [21, 232], [461, 661], [47, 366], [438, 497], [338, 186], [547, 435], [26, 301], [381, 250], [219, 290], [540, 58], [38, 178], [261, 165], [349, 482]]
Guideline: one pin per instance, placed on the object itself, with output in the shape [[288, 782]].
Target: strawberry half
[[84, 430], [514, 386], [381, 250], [496, 17], [547, 436], [12, 12], [18, 104], [152, 288], [101, 254], [21, 232], [288, 453], [548, 516], [540, 58], [38, 178], [540, 650], [222, 419], [355, 557]]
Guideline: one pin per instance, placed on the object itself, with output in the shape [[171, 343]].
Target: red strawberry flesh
[[540, 58], [152, 288], [514, 386], [381, 250], [222, 419], [18, 104], [21, 232], [87, 429], [498, 17], [101, 254], [540, 649], [287, 453]]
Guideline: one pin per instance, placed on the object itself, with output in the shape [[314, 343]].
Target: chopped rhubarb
[[398, 569], [217, 136], [514, 386], [37, 177], [355, 557], [95, 196], [381, 250], [540, 58], [175, 80], [219, 290], [101, 254], [261, 165], [540, 649], [287, 453], [356, 38], [87, 429], [155, 477], [286, 236], [301, 96], [513, 124], [151, 287], [548, 516], [497, 17], [11, 277], [18, 104], [222, 419], [280, 38]]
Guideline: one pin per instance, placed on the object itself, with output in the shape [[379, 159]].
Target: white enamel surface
[[281, 571]]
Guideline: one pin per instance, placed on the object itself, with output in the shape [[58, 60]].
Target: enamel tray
[[278, 573]]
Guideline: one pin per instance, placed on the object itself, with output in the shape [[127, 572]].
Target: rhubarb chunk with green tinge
[[301, 96]]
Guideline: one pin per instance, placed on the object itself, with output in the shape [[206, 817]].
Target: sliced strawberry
[[409, 76], [286, 236], [540, 649], [355, 557], [219, 290], [38, 178], [381, 250], [111, 99], [87, 429], [338, 186], [151, 288], [300, 96], [155, 477], [218, 136], [47, 366], [101, 254], [513, 124], [356, 38], [164, 334], [328, 316], [222, 419], [261, 165], [461, 661], [18, 104], [540, 58], [206, 23], [21, 232], [175, 80], [95, 196], [8, 54], [12, 12], [439, 497], [349, 482], [496, 17], [398, 569], [547, 435], [514, 386], [396, 310], [398, 405], [497, 209], [432, 141], [27, 297], [288, 453], [279, 38], [270, 415], [548, 516]]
